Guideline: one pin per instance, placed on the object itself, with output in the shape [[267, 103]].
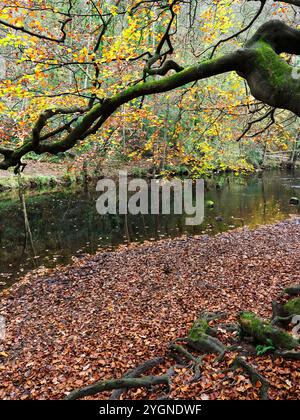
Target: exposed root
[[123, 383], [196, 361], [137, 372], [199, 339], [282, 320], [254, 376], [211, 316], [207, 344], [293, 290], [290, 355], [263, 332], [277, 310]]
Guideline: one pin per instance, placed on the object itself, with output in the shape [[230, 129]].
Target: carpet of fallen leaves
[[108, 313]]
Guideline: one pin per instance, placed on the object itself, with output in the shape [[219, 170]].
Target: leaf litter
[[108, 313]]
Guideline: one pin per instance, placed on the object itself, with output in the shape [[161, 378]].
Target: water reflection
[[66, 223]]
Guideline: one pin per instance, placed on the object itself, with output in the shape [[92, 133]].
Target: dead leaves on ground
[[108, 313]]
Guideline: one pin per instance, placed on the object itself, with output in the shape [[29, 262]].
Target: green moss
[[264, 333], [210, 204], [199, 328], [277, 70], [293, 306]]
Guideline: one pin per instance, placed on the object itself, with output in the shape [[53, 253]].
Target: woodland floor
[[108, 313]]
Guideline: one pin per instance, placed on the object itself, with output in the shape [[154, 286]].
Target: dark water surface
[[66, 224]]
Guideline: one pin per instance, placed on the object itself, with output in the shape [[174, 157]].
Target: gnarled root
[[263, 332], [199, 337], [293, 290], [137, 372], [289, 355], [196, 361], [254, 376], [122, 383]]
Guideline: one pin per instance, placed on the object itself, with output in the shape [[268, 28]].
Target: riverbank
[[36, 175], [68, 172], [43, 174], [106, 314]]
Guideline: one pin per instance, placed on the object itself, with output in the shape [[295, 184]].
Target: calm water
[[66, 224]]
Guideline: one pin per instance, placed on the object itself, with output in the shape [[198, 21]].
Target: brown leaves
[[117, 309]]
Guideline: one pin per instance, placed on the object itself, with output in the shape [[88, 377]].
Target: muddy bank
[[108, 313]]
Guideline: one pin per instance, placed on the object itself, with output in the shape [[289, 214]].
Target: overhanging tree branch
[[269, 76]]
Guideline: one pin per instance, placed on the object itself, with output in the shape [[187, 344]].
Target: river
[[65, 223]]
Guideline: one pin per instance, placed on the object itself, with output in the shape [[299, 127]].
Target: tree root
[[123, 383], [265, 333], [289, 355], [293, 290], [207, 344], [202, 338], [199, 337], [282, 320], [278, 310], [135, 373], [180, 349], [196, 361], [211, 316], [254, 376]]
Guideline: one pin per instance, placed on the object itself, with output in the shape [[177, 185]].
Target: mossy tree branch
[[270, 78]]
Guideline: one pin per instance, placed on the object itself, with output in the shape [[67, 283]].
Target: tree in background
[[86, 74]]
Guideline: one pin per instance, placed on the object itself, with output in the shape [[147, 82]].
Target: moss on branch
[[292, 307], [263, 332]]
